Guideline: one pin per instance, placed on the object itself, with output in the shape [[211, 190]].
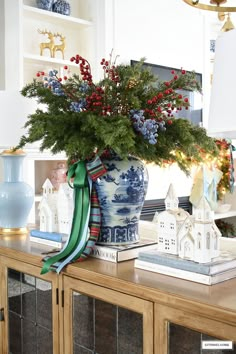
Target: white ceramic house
[[56, 208], [169, 223], [65, 207], [199, 235], [193, 237]]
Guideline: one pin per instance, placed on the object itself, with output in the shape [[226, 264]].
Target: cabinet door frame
[[8, 263], [165, 314], [129, 302]]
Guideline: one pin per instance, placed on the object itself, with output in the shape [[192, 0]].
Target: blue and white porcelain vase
[[44, 4], [16, 196], [62, 7], [121, 193]]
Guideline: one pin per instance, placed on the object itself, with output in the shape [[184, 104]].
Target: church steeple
[[171, 201], [47, 187], [203, 211]]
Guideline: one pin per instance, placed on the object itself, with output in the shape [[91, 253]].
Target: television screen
[[194, 113]]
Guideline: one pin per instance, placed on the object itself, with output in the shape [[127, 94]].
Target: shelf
[[35, 154], [49, 60], [44, 15], [229, 214]]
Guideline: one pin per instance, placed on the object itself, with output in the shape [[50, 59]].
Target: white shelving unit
[[22, 20]]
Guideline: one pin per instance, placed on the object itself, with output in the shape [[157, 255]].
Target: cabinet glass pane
[[183, 340], [101, 328], [30, 314]]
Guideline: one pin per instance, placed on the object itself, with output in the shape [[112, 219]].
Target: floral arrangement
[[130, 111]]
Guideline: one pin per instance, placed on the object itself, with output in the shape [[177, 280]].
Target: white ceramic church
[[56, 208], [193, 237]]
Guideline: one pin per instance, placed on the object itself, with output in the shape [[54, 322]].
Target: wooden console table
[[106, 307]]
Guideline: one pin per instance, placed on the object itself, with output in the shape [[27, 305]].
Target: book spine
[[104, 253], [188, 266], [53, 236], [174, 272], [43, 241]]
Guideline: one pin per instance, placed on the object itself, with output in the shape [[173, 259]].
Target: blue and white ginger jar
[[44, 4], [121, 193], [62, 7]]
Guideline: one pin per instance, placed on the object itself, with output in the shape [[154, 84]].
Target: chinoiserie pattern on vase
[[121, 193], [61, 7], [44, 4]]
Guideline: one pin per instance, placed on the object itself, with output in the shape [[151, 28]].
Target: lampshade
[[14, 109], [222, 114]]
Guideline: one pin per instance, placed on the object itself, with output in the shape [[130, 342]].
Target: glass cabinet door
[[180, 332], [183, 340], [98, 320], [30, 310]]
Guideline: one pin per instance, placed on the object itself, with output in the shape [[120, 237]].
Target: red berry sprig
[[85, 68], [110, 70]]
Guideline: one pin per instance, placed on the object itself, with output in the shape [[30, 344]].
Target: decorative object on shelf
[[47, 45], [59, 47], [227, 229], [193, 237], [44, 4], [61, 7], [16, 196], [129, 112], [121, 193], [58, 175], [206, 180], [223, 208]]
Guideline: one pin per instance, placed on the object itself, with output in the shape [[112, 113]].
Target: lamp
[[222, 115], [211, 5]]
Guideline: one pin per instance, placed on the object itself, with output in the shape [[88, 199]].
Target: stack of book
[[220, 269], [52, 239], [119, 253]]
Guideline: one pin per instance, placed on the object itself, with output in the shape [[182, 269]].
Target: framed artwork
[[194, 113]]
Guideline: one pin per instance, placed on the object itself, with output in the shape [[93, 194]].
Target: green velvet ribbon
[[81, 209]]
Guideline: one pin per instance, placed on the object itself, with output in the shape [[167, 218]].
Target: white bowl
[[223, 208]]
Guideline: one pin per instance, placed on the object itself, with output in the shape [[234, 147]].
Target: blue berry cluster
[[53, 82], [78, 106], [83, 87], [147, 127]]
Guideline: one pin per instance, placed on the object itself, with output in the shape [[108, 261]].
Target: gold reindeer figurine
[[59, 47], [47, 45]]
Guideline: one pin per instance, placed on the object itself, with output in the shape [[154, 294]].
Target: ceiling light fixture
[[228, 25], [211, 5]]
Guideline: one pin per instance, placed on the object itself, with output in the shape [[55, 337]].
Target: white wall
[[161, 31], [168, 33]]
